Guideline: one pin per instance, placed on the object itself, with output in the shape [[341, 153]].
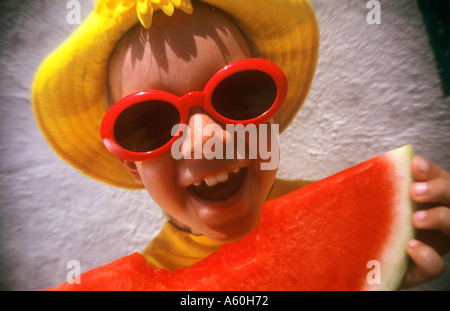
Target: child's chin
[[233, 227], [232, 232]]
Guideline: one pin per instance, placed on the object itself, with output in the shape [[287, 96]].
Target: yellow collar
[[174, 248]]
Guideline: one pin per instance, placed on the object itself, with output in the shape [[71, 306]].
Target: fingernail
[[420, 215], [413, 243], [423, 165], [420, 188]]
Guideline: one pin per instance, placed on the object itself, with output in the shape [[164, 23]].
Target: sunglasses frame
[[186, 102]]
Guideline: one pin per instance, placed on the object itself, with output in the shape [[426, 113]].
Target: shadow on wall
[[435, 14]]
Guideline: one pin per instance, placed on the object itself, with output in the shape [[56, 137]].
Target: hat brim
[[69, 91]]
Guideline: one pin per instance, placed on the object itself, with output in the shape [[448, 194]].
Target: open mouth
[[220, 186]]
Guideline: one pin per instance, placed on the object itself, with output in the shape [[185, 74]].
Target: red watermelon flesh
[[324, 236]]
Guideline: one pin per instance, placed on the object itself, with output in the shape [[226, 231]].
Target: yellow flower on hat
[[145, 8]]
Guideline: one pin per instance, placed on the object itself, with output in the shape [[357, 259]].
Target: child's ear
[[132, 168]]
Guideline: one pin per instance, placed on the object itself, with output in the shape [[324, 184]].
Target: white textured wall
[[376, 88]]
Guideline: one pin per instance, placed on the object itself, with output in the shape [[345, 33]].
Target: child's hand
[[432, 191]]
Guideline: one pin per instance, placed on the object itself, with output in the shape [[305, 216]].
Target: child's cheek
[[159, 178]]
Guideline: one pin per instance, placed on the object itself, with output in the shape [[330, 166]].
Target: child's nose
[[203, 128]]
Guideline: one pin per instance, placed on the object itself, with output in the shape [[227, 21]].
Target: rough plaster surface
[[376, 88]]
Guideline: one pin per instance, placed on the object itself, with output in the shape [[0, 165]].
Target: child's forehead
[[177, 54]]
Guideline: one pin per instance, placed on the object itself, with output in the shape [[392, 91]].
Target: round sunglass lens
[[244, 95], [146, 126]]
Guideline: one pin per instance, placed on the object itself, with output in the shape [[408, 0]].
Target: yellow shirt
[[173, 248]]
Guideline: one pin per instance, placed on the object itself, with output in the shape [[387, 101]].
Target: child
[[123, 48]]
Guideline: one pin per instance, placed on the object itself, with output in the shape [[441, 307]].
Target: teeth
[[211, 180], [215, 179], [222, 177]]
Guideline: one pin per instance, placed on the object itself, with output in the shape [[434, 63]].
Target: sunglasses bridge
[[192, 99]]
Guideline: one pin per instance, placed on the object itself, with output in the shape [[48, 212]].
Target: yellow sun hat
[[69, 91]]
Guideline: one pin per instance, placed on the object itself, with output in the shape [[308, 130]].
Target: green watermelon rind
[[395, 260]]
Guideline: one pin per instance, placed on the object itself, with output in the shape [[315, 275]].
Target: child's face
[[179, 55]]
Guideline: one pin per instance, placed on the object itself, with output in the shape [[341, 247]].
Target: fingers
[[436, 218], [435, 190], [424, 170], [432, 189], [433, 183], [426, 264]]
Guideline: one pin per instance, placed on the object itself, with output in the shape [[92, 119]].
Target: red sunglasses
[[139, 126]]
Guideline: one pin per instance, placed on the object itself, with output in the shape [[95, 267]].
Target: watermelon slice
[[345, 232]]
